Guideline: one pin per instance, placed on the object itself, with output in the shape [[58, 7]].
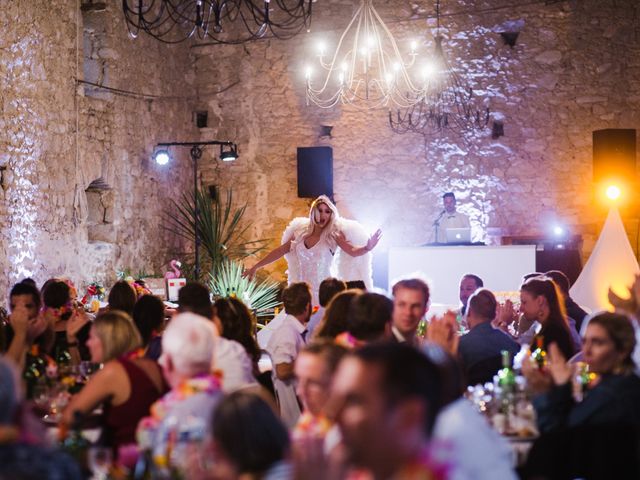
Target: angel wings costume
[[325, 259]]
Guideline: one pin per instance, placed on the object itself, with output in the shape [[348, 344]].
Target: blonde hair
[[117, 333], [328, 230]]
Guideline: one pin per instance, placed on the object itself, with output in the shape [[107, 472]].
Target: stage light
[[558, 231], [229, 155], [162, 157], [613, 192]]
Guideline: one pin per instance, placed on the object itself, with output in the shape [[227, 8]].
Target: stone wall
[[61, 135], [574, 69]]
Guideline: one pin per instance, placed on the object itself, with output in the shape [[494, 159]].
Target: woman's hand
[[250, 273], [19, 320], [559, 369], [505, 316], [77, 320], [373, 240]]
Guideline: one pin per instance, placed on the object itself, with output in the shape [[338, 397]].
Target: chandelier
[[447, 103], [367, 69], [217, 21]]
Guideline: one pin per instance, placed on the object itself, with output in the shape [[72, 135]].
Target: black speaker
[[315, 172], [614, 154]]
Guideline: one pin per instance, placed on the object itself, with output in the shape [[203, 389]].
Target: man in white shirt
[[449, 218], [285, 344], [410, 305]]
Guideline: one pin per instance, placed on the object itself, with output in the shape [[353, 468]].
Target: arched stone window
[[100, 212]]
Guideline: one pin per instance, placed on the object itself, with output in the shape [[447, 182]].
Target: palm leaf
[[259, 296]]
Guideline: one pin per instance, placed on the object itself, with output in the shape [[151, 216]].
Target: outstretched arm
[[345, 245], [271, 257]]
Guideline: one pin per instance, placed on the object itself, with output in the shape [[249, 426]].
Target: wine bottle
[[539, 355], [34, 369]]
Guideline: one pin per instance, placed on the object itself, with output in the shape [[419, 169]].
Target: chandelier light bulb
[[321, 48], [307, 72]]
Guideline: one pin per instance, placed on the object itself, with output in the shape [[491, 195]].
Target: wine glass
[[99, 460]]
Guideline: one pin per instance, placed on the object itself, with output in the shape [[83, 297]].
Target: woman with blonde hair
[[313, 247], [127, 385]]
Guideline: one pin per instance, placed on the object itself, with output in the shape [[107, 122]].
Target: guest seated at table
[[25, 324], [461, 435], [469, 283], [236, 323], [122, 296], [23, 452], [574, 311], [127, 385], [480, 349], [614, 395], [314, 369], [188, 345], [248, 441], [149, 317], [541, 300], [369, 318], [334, 320], [230, 358], [329, 288]]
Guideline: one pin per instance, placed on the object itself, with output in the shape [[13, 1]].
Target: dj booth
[[500, 267]]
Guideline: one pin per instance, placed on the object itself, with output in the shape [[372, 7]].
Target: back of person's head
[[195, 297], [369, 315], [330, 352], [23, 288], [406, 373], [561, 280], [56, 293], [532, 275], [412, 284], [29, 281], [296, 298], [249, 433], [544, 286], [9, 391], [148, 315], [237, 324], [483, 304], [117, 333], [122, 297], [620, 329], [189, 339], [334, 321], [329, 288], [357, 284], [478, 281]]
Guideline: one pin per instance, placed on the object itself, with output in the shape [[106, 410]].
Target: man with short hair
[[188, 345], [410, 305], [386, 397], [469, 283], [450, 217], [369, 317], [285, 344]]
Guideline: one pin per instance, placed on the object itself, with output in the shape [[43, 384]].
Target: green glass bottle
[[506, 375], [539, 355], [34, 369]]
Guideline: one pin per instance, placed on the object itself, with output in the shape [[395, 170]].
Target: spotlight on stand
[[162, 157], [196, 149], [229, 155]]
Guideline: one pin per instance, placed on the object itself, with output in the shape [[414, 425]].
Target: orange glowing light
[[613, 192]]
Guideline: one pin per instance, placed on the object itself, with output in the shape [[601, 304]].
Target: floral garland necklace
[[202, 383]]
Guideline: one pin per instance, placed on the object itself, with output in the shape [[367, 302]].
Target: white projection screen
[[500, 267]]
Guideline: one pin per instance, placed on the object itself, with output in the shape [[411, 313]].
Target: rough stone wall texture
[[60, 135], [573, 70]]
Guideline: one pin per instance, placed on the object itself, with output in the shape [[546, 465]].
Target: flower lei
[[138, 286], [203, 383], [309, 424]]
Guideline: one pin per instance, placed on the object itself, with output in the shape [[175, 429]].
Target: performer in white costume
[[322, 246]]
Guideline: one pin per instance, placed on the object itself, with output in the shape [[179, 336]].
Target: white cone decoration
[[612, 264]]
